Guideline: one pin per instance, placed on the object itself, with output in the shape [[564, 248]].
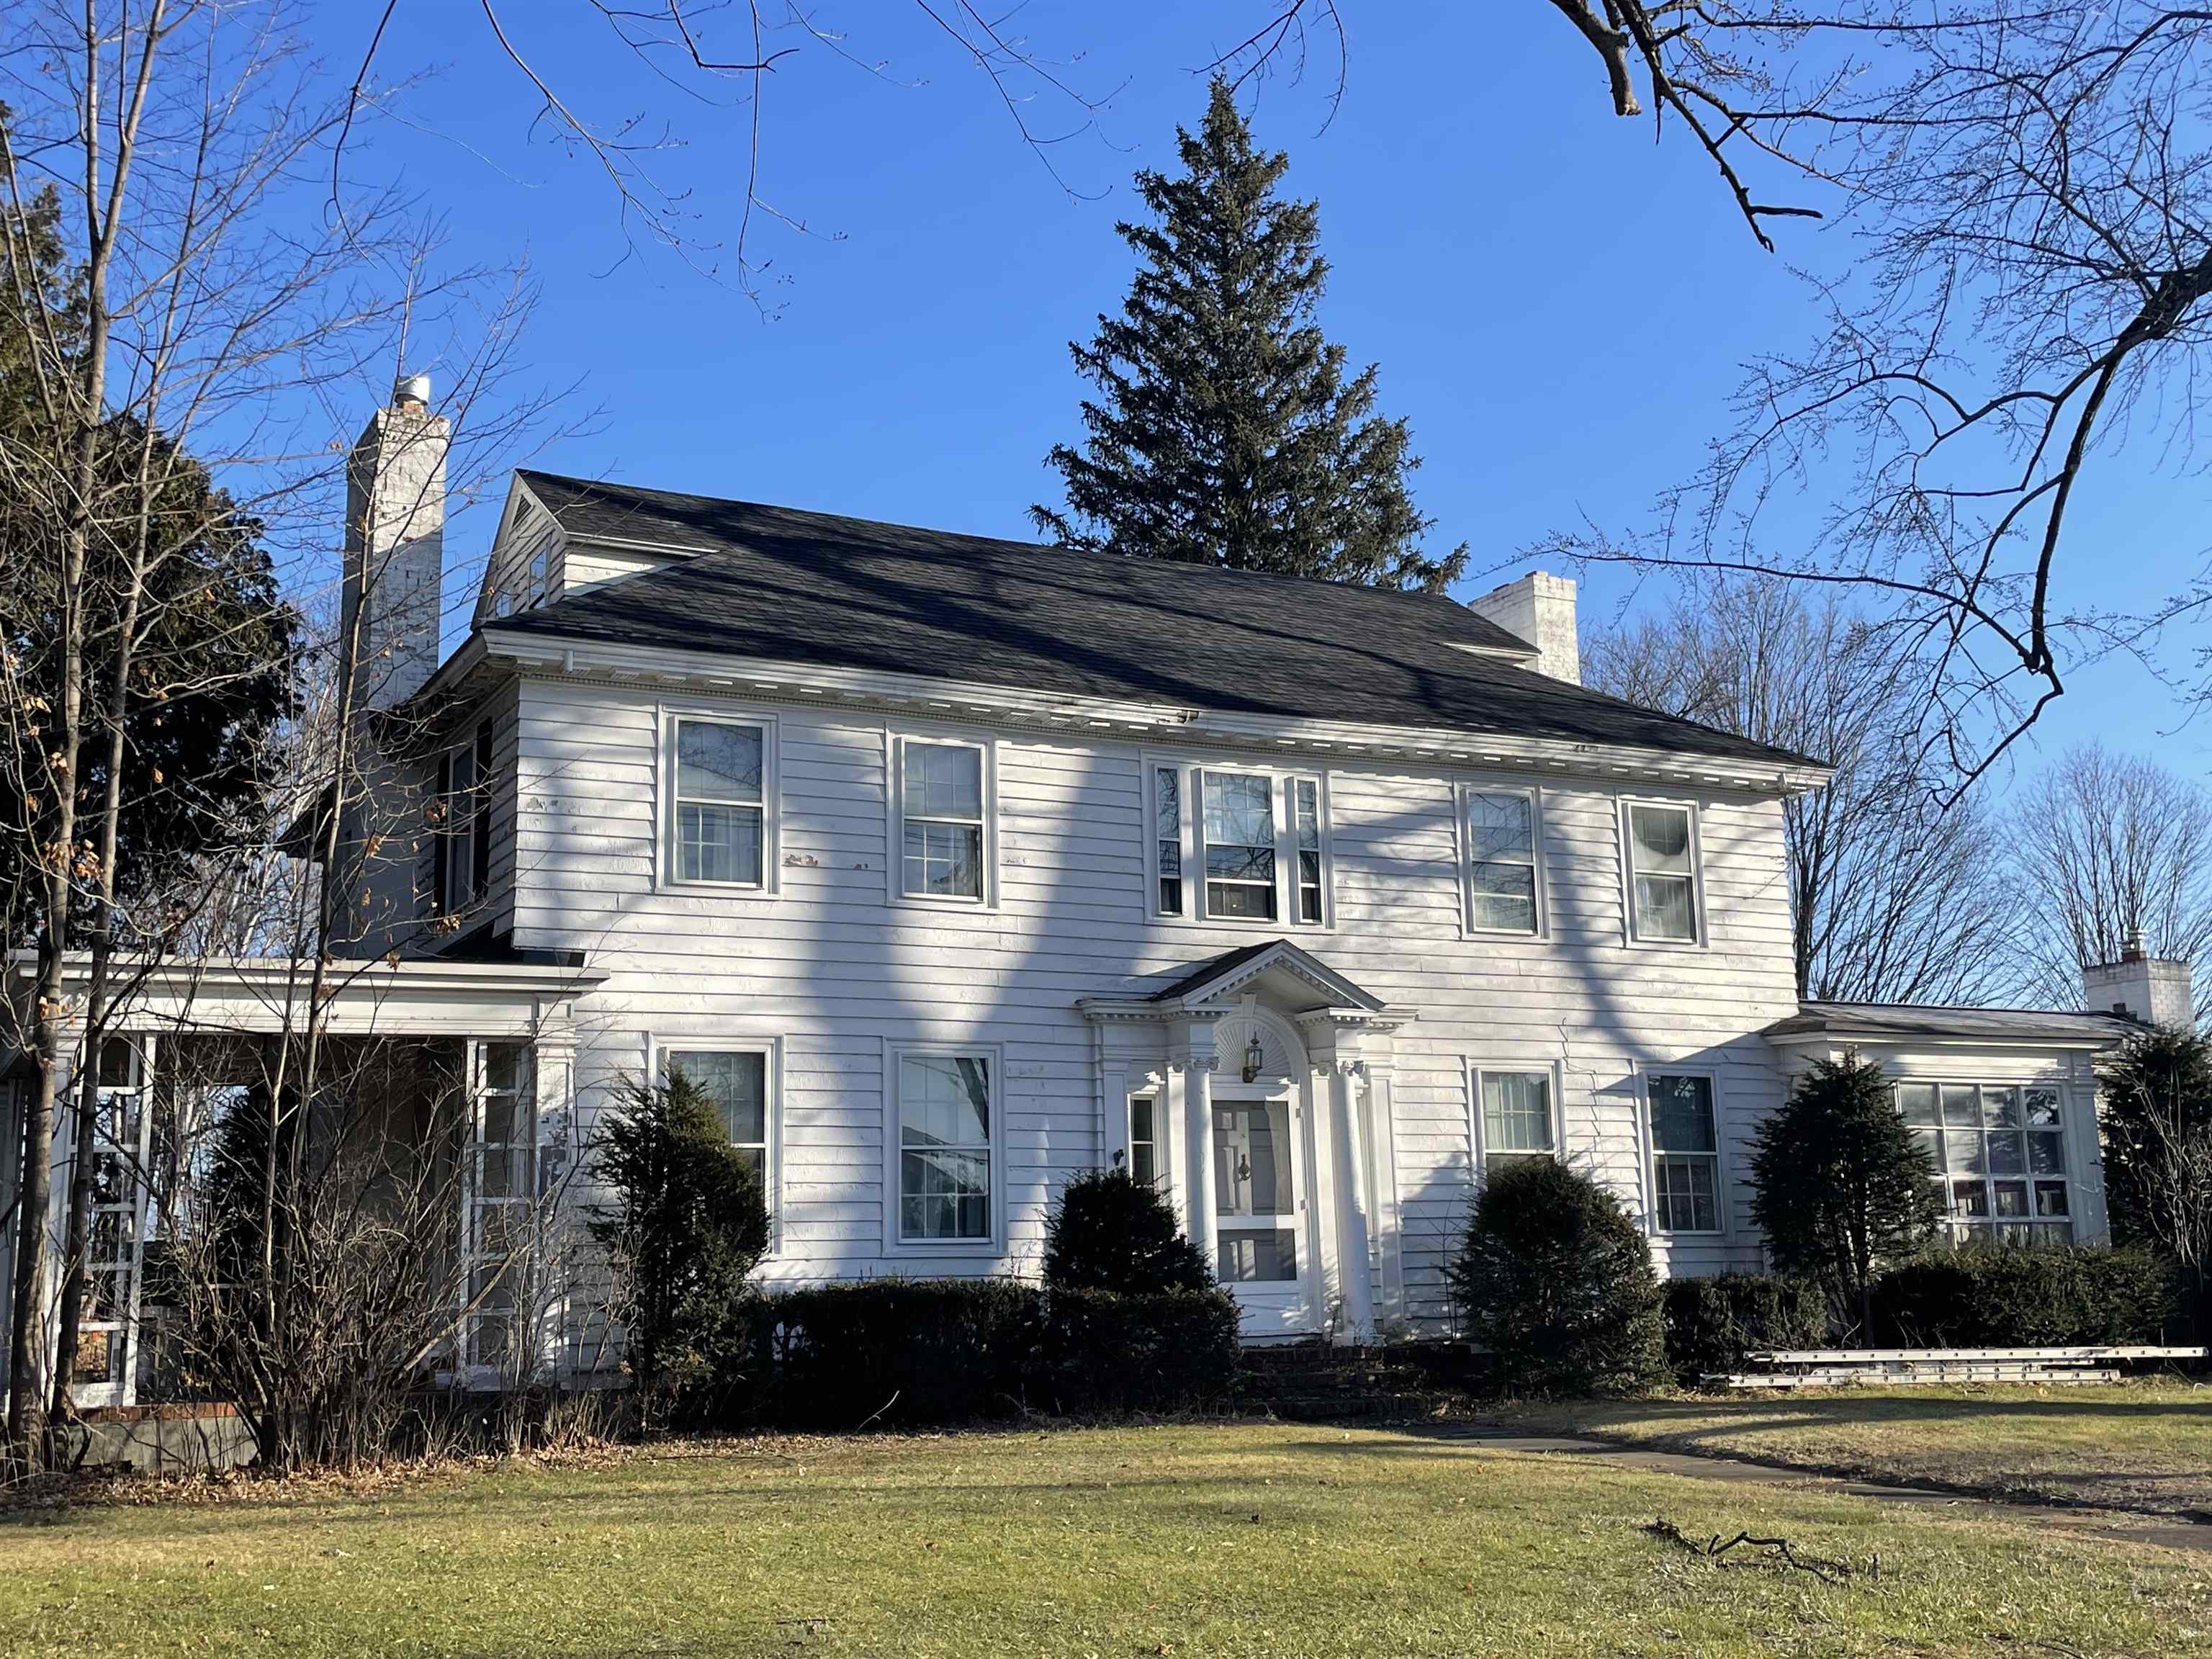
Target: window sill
[[719, 889]]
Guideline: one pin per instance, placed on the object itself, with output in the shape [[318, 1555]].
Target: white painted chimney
[[2154, 989], [1540, 608], [395, 545]]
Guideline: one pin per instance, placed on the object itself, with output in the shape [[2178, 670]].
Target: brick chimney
[[2153, 989], [395, 545], [1540, 608]]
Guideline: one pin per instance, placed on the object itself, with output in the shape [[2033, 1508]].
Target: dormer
[[535, 559]]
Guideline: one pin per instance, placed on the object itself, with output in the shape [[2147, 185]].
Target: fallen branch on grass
[[1714, 1548]]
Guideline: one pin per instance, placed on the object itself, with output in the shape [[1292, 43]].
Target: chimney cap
[[412, 389]]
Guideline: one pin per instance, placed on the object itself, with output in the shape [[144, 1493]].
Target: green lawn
[[1245, 1540], [2145, 1445]]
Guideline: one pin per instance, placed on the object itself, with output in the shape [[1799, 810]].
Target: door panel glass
[[1252, 1158], [1250, 1258]]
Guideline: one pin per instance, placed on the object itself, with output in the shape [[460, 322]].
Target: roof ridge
[[1061, 549]]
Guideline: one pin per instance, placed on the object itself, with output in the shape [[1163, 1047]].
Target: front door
[[1260, 1238]]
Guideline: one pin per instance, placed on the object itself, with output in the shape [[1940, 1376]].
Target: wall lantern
[[1254, 1058]]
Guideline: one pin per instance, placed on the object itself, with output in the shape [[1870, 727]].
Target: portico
[[1253, 1089]]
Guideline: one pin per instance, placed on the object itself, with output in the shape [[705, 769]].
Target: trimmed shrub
[[1712, 1323], [894, 1352], [1105, 1352], [1112, 1232], [2001, 1297], [1556, 1282]]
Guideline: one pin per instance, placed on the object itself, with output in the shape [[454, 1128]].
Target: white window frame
[[666, 869], [1698, 931], [1960, 1230], [1156, 1097], [1282, 787], [1467, 790], [661, 1046], [895, 828], [1478, 1136], [1652, 1152], [895, 1241]]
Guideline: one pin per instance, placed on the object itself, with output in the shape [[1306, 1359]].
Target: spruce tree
[[1225, 431]]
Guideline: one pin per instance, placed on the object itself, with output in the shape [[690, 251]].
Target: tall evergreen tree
[[1225, 431]]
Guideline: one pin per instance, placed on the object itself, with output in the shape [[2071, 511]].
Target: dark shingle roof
[[785, 585], [1891, 1019]]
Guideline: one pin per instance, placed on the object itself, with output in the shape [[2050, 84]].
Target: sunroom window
[[1999, 1155], [717, 824], [1661, 874]]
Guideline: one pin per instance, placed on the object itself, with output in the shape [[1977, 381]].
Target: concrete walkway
[[2132, 1525]]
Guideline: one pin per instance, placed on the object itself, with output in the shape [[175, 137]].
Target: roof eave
[[545, 650]]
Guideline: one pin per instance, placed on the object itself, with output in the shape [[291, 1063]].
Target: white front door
[[1262, 1242]]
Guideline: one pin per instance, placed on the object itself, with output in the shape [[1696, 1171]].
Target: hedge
[[905, 1353], [1712, 1323], [1998, 1297]]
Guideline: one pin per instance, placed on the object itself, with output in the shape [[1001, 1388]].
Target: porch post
[[1353, 1208], [1198, 1061], [559, 1154]]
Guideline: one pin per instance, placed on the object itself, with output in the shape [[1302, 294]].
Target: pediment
[[1289, 976]]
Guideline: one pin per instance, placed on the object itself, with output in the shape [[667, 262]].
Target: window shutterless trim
[[1625, 829], [1283, 787], [894, 742], [1648, 1138], [661, 1045], [1477, 1132], [1463, 838], [665, 867], [895, 1242]]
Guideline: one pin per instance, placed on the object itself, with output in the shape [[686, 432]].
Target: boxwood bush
[[1712, 1323], [1999, 1297], [909, 1353]]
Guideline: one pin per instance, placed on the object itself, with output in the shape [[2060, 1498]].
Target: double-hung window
[[946, 1113], [1504, 892], [1660, 838], [736, 1082], [718, 816], [1686, 1161], [1998, 1153], [943, 845], [1517, 1120], [1144, 1140], [1239, 845], [1239, 821]]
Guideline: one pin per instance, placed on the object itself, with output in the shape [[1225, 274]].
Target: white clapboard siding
[[833, 969]]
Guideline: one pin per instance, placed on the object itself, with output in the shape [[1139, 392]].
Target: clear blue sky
[[1558, 304]]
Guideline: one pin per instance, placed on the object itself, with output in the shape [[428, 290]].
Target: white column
[[1352, 1202], [1198, 1090]]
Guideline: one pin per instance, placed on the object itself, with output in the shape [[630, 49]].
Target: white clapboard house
[[955, 866]]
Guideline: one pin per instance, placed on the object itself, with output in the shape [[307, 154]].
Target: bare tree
[[1890, 901], [2025, 290], [2113, 848]]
